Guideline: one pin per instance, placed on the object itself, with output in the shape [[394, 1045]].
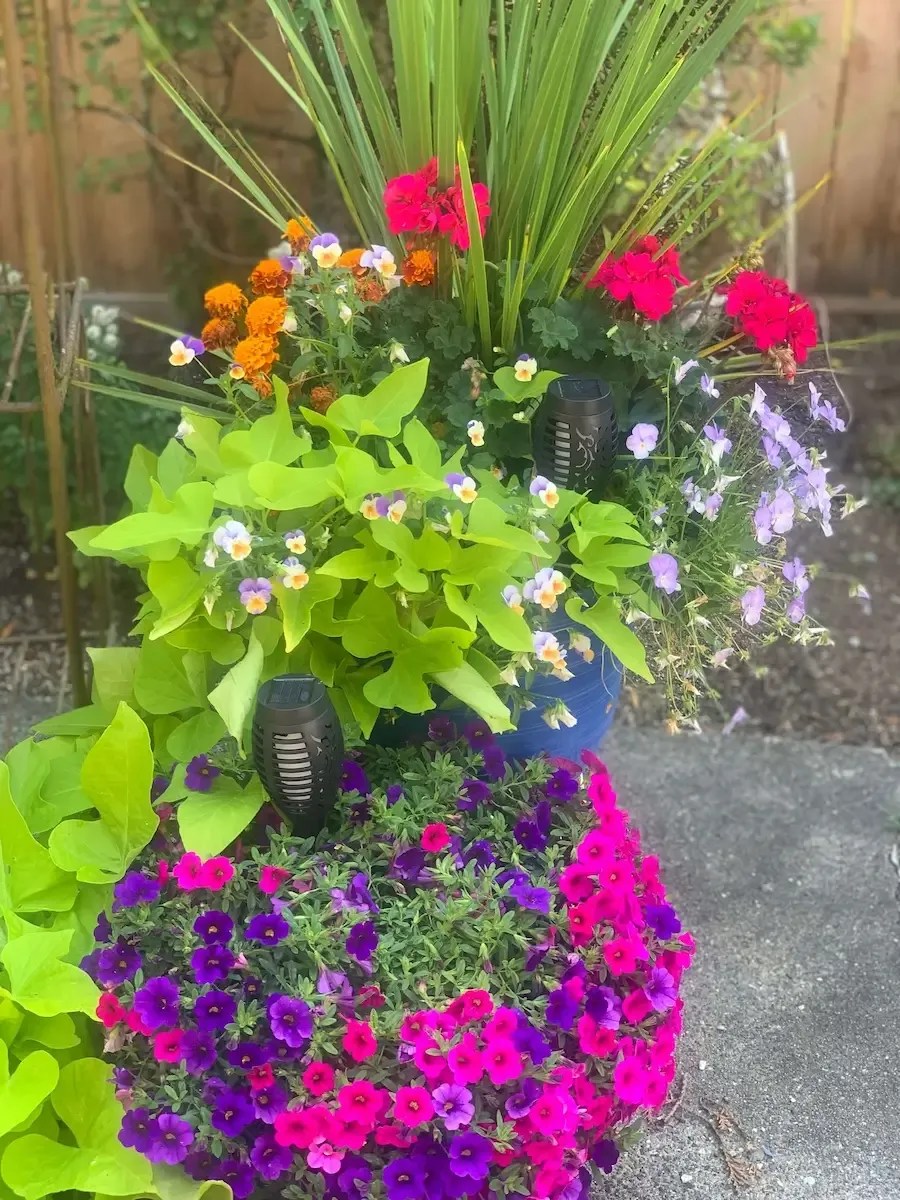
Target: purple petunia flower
[[239, 1176], [331, 982], [531, 1041], [270, 1159], [156, 1003], [441, 729], [562, 785], [562, 1009], [493, 762], [246, 1055], [158, 786], [281, 1052], [136, 889], [252, 987], [409, 865], [663, 920], [267, 928], [122, 1077], [529, 836], [214, 1010], [536, 954], [362, 941], [198, 1048], [103, 929], [393, 794], [268, 1102], [661, 991], [604, 1006], [528, 896], [200, 773], [664, 569], [354, 778], [359, 896], [478, 734], [290, 1020], [605, 1154], [453, 1105], [138, 1130], [355, 1176], [172, 1139], [471, 1155], [521, 1103], [481, 854], [233, 1112], [404, 1178], [200, 1165], [117, 963], [214, 927], [211, 964], [472, 793]]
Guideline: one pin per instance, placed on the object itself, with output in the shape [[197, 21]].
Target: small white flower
[[475, 431], [209, 601], [398, 353], [93, 333], [567, 718], [581, 644], [211, 556], [390, 282], [721, 657], [185, 429], [289, 324], [521, 415], [562, 672], [282, 250], [180, 354], [345, 312], [508, 675], [681, 372], [110, 340], [551, 716]]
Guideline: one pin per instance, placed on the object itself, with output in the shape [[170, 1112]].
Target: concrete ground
[[778, 856]]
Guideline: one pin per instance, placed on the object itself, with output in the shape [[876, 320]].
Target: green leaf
[[38, 978], [459, 605], [283, 488], [141, 469], [210, 821], [165, 678], [381, 412], [610, 555], [225, 648], [487, 525], [468, 685], [188, 522], [179, 589], [270, 438], [403, 684], [424, 452], [172, 1183], [234, 697], [297, 605], [57, 1033], [174, 467], [504, 627], [81, 919], [80, 721], [32, 881], [61, 793], [203, 442], [336, 435], [114, 667], [27, 1088], [196, 735], [375, 627], [516, 391], [604, 620], [116, 778]]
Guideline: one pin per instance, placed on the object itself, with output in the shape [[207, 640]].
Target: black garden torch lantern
[[298, 749], [575, 434]]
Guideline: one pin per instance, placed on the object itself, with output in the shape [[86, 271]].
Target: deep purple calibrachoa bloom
[[158, 786], [214, 927], [441, 729], [661, 990], [605, 1155], [270, 1159], [246, 1055], [211, 964], [103, 929], [277, 1052], [354, 778], [138, 1130], [136, 888], [200, 773], [172, 1140], [478, 734], [354, 1177], [562, 1008], [604, 1006], [200, 1165], [562, 785], [359, 896], [117, 963], [290, 1020], [529, 836], [494, 762], [393, 794], [362, 941], [253, 987], [233, 1112], [268, 928], [453, 1104], [214, 1010], [481, 854], [122, 1077], [663, 920], [239, 1176], [409, 864], [404, 1178], [198, 1048], [535, 898], [156, 1003], [269, 1102], [471, 1155], [520, 1104], [472, 793]]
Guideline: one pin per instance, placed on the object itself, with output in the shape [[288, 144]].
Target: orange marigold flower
[[256, 355], [418, 268], [269, 278], [263, 385], [224, 300], [350, 258], [298, 231], [322, 397], [219, 333], [265, 316], [372, 290]]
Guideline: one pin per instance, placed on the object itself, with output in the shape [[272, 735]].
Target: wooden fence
[[842, 115]]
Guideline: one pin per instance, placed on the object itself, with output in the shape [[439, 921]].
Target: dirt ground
[[847, 692]]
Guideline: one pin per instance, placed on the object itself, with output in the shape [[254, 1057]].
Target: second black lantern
[[575, 434]]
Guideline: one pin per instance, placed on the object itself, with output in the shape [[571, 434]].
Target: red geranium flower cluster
[[414, 205], [766, 310], [644, 276]]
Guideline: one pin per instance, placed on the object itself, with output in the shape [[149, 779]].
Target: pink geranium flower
[[413, 1106], [359, 1041]]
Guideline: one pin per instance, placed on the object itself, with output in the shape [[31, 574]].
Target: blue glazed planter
[[591, 696]]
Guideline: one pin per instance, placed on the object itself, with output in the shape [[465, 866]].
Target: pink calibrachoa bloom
[[318, 1078], [167, 1045], [323, 1156], [413, 1106], [216, 873], [188, 872], [360, 1101], [503, 1024], [595, 850], [622, 955], [271, 879], [434, 838], [577, 882], [359, 1041], [429, 1058], [502, 1061], [474, 1005], [595, 1039], [465, 1060]]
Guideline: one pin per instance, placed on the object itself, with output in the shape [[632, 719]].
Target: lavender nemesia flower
[[268, 928], [642, 440], [156, 1003], [135, 889], [290, 1020], [664, 569], [200, 773]]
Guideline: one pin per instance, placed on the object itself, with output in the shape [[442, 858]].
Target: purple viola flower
[[393, 794], [775, 425], [200, 773], [246, 1055], [478, 734], [156, 1003], [268, 1102], [117, 963], [661, 990], [122, 1077], [712, 504], [472, 793], [323, 240], [239, 1176], [493, 762], [604, 1006], [172, 1139], [193, 343], [198, 1048], [772, 452], [136, 889], [211, 964], [267, 928], [270, 1160], [103, 929], [753, 602], [354, 778], [214, 1010], [453, 1105], [441, 729], [521, 1103], [782, 511], [158, 786], [717, 443], [404, 1178], [562, 785], [562, 1009], [529, 836], [642, 440], [362, 941], [214, 927], [664, 569], [409, 864], [535, 898], [290, 1020], [233, 1112], [708, 386], [796, 609], [481, 854], [605, 1155], [663, 920], [795, 572], [138, 1130], [471, 1155]]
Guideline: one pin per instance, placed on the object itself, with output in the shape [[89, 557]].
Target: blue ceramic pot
[[591, 696]]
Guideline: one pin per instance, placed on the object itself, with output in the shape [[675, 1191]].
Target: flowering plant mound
[[470, 986]]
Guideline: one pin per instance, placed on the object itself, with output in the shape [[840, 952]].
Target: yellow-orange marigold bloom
[[265, 316], [263, 385], [418, 267], [372, 290], [350, 258], [298, 231], [224, 300], [322, 397], [219, 333], [269, 278], [256, 355]]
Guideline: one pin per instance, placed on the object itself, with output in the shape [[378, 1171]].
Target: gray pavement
[[777, 855]]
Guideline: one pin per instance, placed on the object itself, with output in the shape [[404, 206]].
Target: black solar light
[[298, 749], [574, 433]]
